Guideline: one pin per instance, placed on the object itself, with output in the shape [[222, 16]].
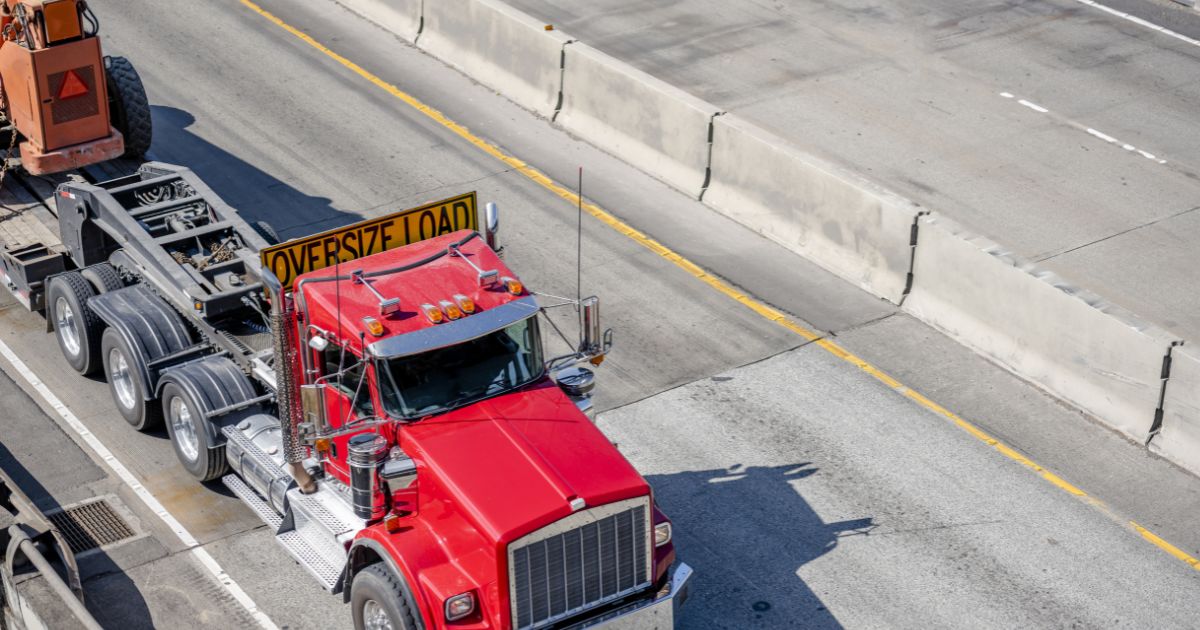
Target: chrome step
[[242, 491], [313, 561]]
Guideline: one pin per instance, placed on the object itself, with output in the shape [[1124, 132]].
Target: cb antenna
[[579, 245]]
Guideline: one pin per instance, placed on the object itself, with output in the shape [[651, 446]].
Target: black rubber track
[[128, 107]]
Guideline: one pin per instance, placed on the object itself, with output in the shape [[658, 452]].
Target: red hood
[[513, 463]]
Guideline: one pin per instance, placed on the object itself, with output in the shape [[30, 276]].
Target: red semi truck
[[378, 394]]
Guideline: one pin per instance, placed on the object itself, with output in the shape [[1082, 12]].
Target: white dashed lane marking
[[1091, 132]]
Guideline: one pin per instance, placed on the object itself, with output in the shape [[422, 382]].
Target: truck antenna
[[579, 245]]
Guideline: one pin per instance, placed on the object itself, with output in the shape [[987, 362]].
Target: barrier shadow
[[747, 531], [109, 594]]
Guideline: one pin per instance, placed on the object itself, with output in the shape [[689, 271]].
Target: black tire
[[208, 461], [75, 325], [103, 277], [267, 231], [128, 107], [376, 583], [142, 414]]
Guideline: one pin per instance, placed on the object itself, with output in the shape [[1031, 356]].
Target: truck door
[[348, 399]]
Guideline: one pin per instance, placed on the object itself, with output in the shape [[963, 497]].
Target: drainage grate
[[90, 526]]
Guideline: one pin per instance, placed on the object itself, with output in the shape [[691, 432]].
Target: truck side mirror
[[312, 407], [491, 228], [591, 342]]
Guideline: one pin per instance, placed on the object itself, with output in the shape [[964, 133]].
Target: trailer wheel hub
[[64, 322], [183, 429], [121, 378], [375, 617]]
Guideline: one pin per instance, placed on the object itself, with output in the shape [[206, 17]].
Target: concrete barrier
[[1090, 353], [650, 124], [1179, 439], [401, 17], [500, 47], [842, 222]]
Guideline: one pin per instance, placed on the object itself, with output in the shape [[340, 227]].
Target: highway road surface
[[808, 488]]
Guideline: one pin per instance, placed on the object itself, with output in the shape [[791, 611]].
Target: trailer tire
[[103, 278], [125, 385], [129, 110], [76, 327], [376, 591], [184, 420], [267, 231]]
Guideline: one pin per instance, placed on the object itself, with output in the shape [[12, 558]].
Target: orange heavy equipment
[[71, 105]]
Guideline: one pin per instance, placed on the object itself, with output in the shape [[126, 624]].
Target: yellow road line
[[723, 287]]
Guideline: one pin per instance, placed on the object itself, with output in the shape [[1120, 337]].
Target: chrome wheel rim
[[375, 617], [121, 378], [64, 321], [183, 429]]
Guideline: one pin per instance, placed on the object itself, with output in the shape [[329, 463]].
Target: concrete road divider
[[1179, 439], [500, 47], [1088, 352], [648, 123], [400, 17], [837, 219]]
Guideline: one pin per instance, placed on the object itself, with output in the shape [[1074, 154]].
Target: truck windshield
[[442, 379]]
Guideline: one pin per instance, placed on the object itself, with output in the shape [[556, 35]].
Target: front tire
[[129, 110], [186, 425], [125, 383], [75, 325], [380, 601]]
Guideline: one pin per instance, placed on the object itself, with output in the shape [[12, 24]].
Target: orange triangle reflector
[[72, 86]]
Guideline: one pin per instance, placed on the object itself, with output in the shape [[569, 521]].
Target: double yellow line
[[723, 287]]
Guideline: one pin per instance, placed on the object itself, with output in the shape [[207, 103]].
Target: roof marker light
[[466, 304], [433, 313], [373, 325], [450, 309], [513, 285]]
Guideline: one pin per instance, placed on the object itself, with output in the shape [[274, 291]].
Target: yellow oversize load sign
[[289, 260]]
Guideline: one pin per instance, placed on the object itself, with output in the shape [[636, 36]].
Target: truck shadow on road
[[747, 531], [255, 193]]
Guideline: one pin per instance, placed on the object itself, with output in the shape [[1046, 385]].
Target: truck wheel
[[103, 277], [185, 424], [379, 600], [128, 107], [75, 325], [125, 384]]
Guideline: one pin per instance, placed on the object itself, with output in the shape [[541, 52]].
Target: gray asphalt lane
[[809, 494]]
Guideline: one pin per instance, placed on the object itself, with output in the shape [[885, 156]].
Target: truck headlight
[[662, 534], [460, 606]]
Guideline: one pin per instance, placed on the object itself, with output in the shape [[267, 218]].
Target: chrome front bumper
[[654, 614]]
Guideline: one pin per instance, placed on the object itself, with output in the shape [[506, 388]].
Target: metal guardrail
[[24, 533]]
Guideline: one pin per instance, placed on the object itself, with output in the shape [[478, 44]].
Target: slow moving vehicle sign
[[295, 257]]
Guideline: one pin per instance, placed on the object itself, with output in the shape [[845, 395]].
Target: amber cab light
[[433, 313], [513, 285], [466, 304], [450, 309], [374, 326], [460, 606]]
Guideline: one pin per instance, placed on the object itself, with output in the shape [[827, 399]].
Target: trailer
[[378, 394]]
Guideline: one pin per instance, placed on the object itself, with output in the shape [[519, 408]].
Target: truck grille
[[584, 560]]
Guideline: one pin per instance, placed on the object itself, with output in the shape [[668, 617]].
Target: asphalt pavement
[[805, 491], [1057, 129]]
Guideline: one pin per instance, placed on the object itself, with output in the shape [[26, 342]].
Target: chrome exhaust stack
[[287, 390]]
